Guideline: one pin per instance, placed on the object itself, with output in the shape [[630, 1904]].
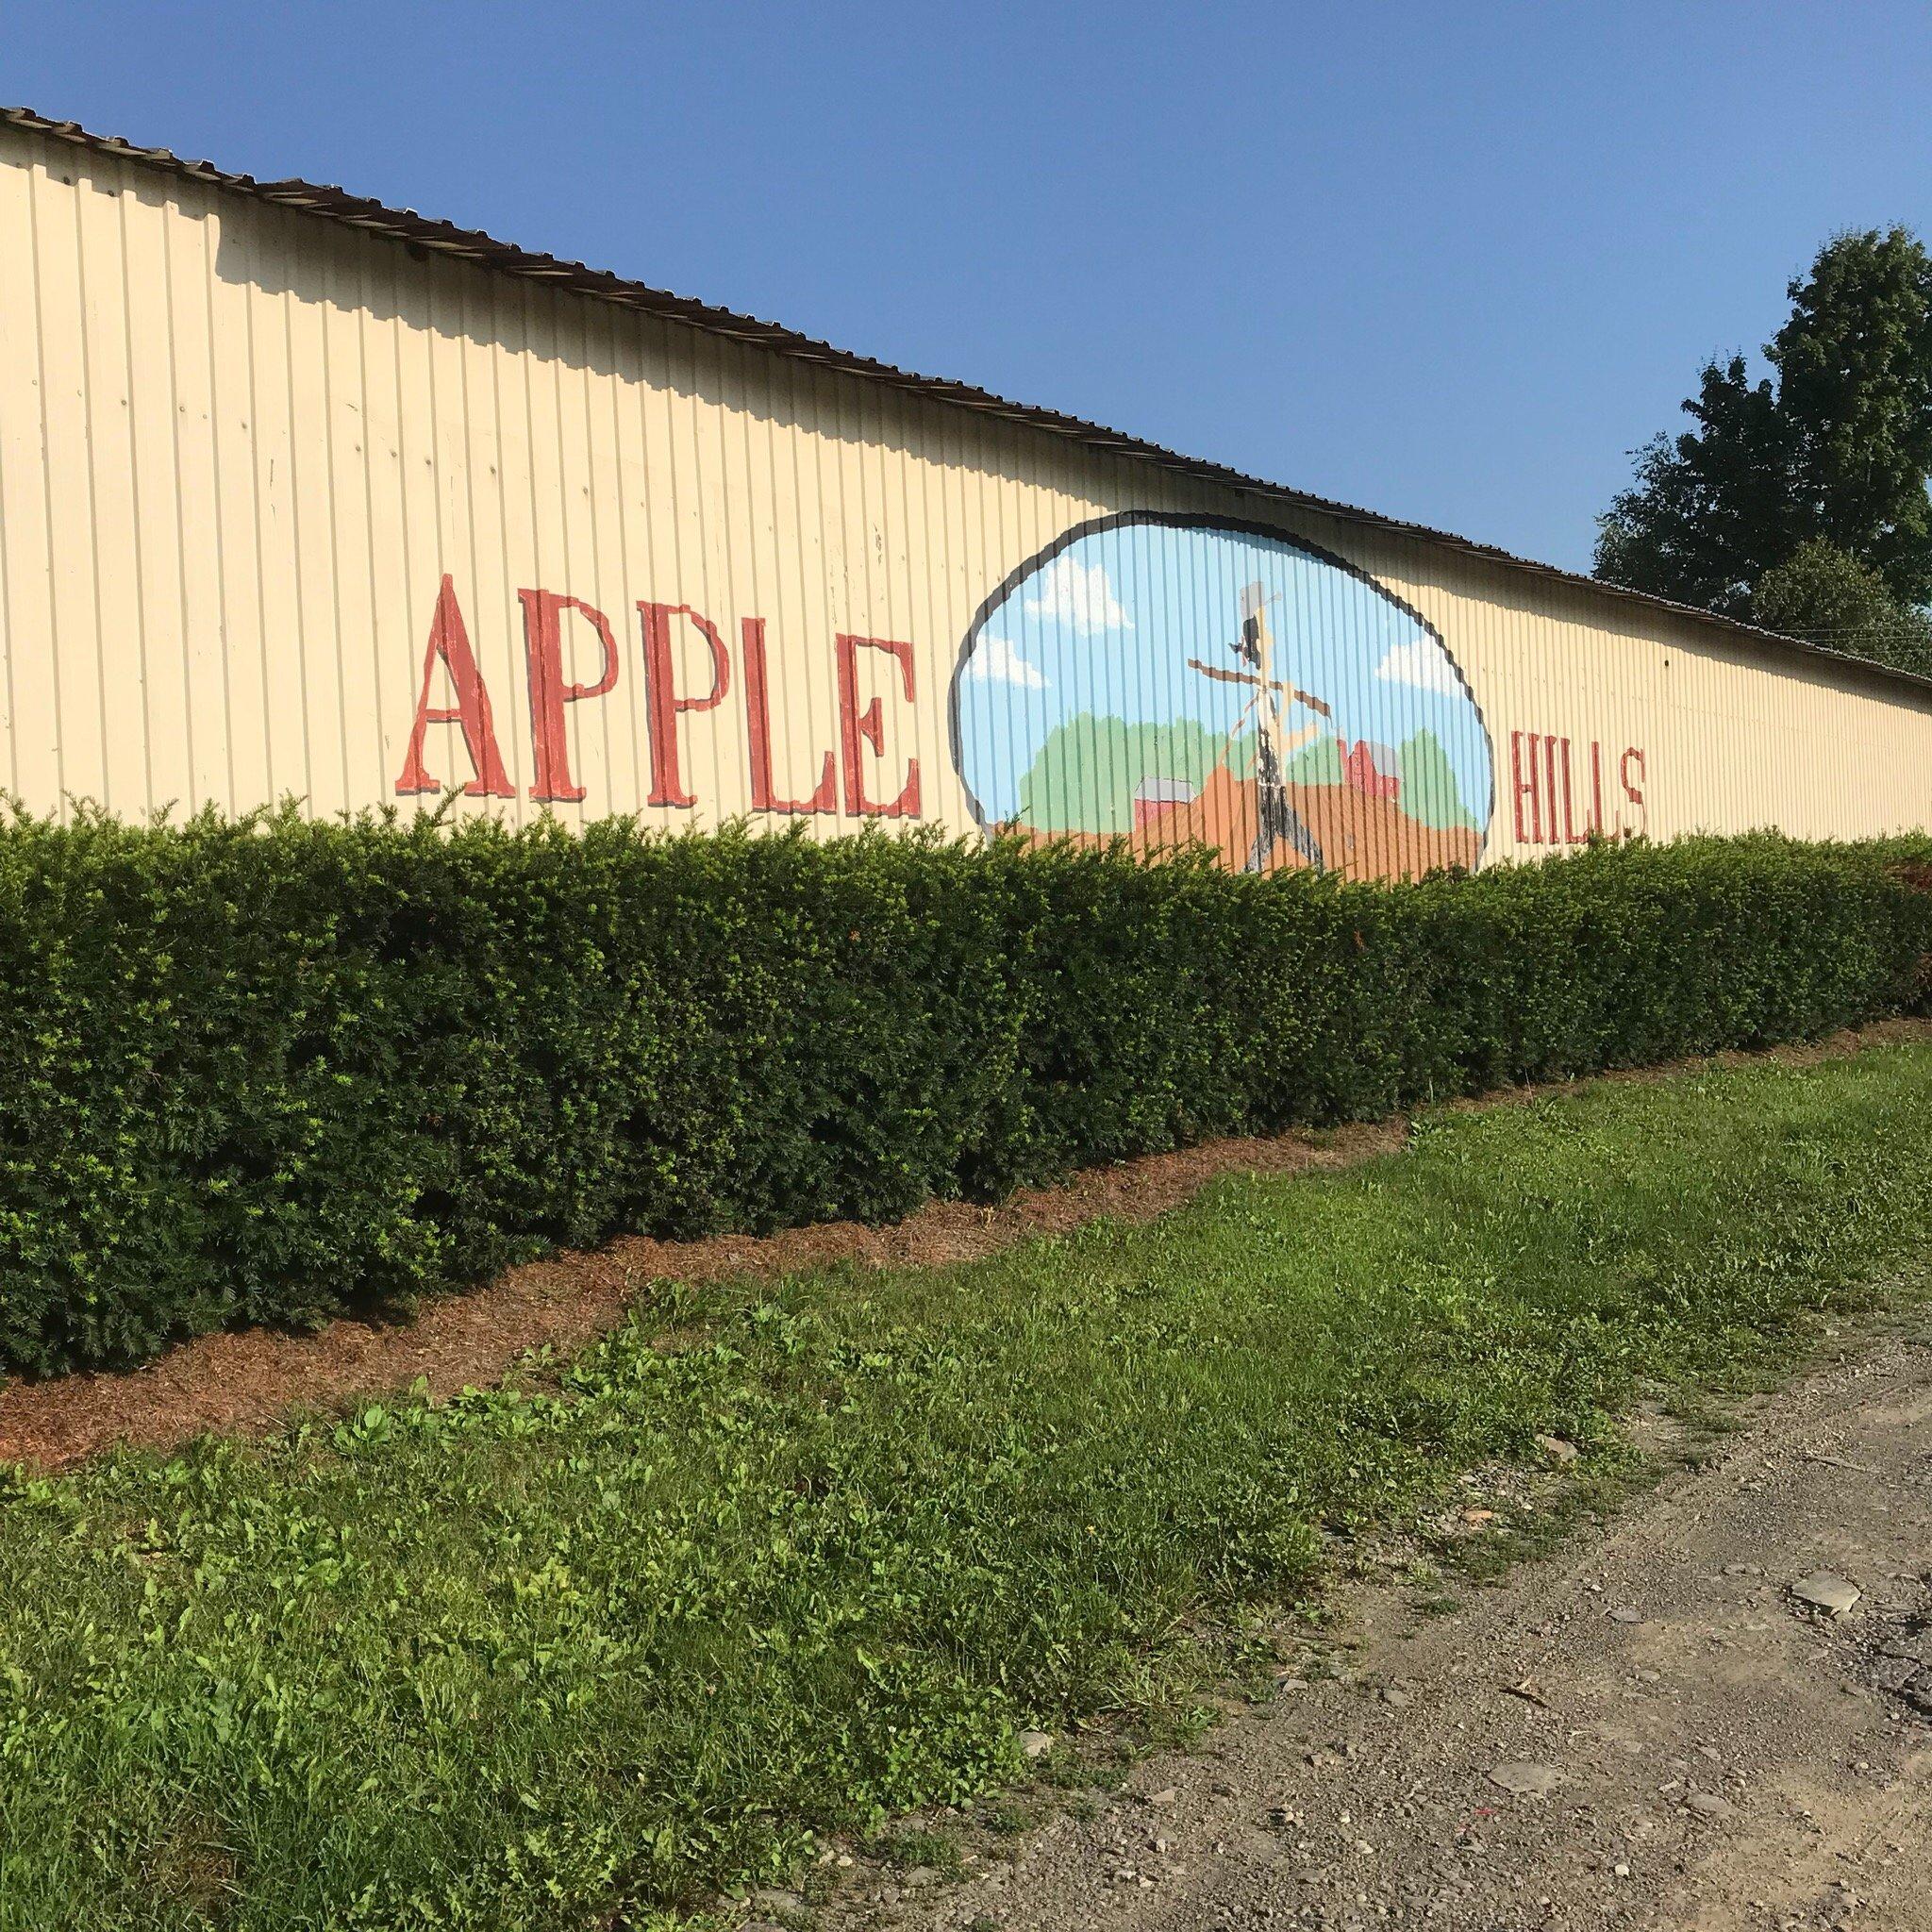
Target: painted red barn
[[1155, 798], [1372, 768]]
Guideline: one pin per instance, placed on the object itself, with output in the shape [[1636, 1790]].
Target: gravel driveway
[[1648, 1728]]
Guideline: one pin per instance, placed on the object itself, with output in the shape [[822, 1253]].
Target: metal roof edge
[[471, 244]]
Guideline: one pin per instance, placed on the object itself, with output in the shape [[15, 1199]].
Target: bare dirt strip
[[1651, 1730], [247, 1381]]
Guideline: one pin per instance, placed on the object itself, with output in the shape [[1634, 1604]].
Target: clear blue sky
[[1451, 261]]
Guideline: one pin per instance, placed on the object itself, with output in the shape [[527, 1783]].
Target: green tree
[[1836, 445], [1710, 509], [1855, 387], [1820, 593]]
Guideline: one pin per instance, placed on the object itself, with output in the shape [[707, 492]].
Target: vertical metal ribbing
[[240, 447]]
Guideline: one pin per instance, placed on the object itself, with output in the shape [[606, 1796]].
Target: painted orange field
[[1359, 836]]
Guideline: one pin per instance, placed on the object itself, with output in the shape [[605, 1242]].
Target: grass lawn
[[568, 1654]]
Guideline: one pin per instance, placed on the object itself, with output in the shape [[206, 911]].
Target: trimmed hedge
[[277, 1070]]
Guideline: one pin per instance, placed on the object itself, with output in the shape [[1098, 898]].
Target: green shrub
[[277, 1070]]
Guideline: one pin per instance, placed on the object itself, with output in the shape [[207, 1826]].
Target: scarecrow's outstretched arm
[[1220, 676]]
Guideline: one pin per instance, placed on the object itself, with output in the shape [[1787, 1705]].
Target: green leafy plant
[[277, 1070]]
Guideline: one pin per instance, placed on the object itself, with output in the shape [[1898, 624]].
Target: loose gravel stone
[[1826, 1591]]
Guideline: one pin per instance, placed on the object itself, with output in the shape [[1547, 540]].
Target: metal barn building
[[305, 496]]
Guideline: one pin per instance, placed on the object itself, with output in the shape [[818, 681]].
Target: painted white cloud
[[1422, 663], [995, 661], [1078, 595]]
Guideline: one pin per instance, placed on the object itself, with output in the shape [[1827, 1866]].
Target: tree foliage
[[1854, 391], [1821, 594], [1709, 509], [1834, 447]]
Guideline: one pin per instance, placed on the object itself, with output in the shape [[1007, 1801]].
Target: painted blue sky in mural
[[1108, 624]]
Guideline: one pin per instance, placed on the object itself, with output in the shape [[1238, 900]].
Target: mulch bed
[[247, 1381]]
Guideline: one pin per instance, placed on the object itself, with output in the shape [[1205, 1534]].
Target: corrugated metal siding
[[241, 449]]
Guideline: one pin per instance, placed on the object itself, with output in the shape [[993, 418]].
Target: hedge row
[[278, 1070]]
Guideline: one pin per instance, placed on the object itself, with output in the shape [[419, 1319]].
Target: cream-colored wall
[[240, 448], [1736, 736]]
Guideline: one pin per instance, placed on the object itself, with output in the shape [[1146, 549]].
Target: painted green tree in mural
[[1319, 763], [1430, 794], [1085, 776]]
